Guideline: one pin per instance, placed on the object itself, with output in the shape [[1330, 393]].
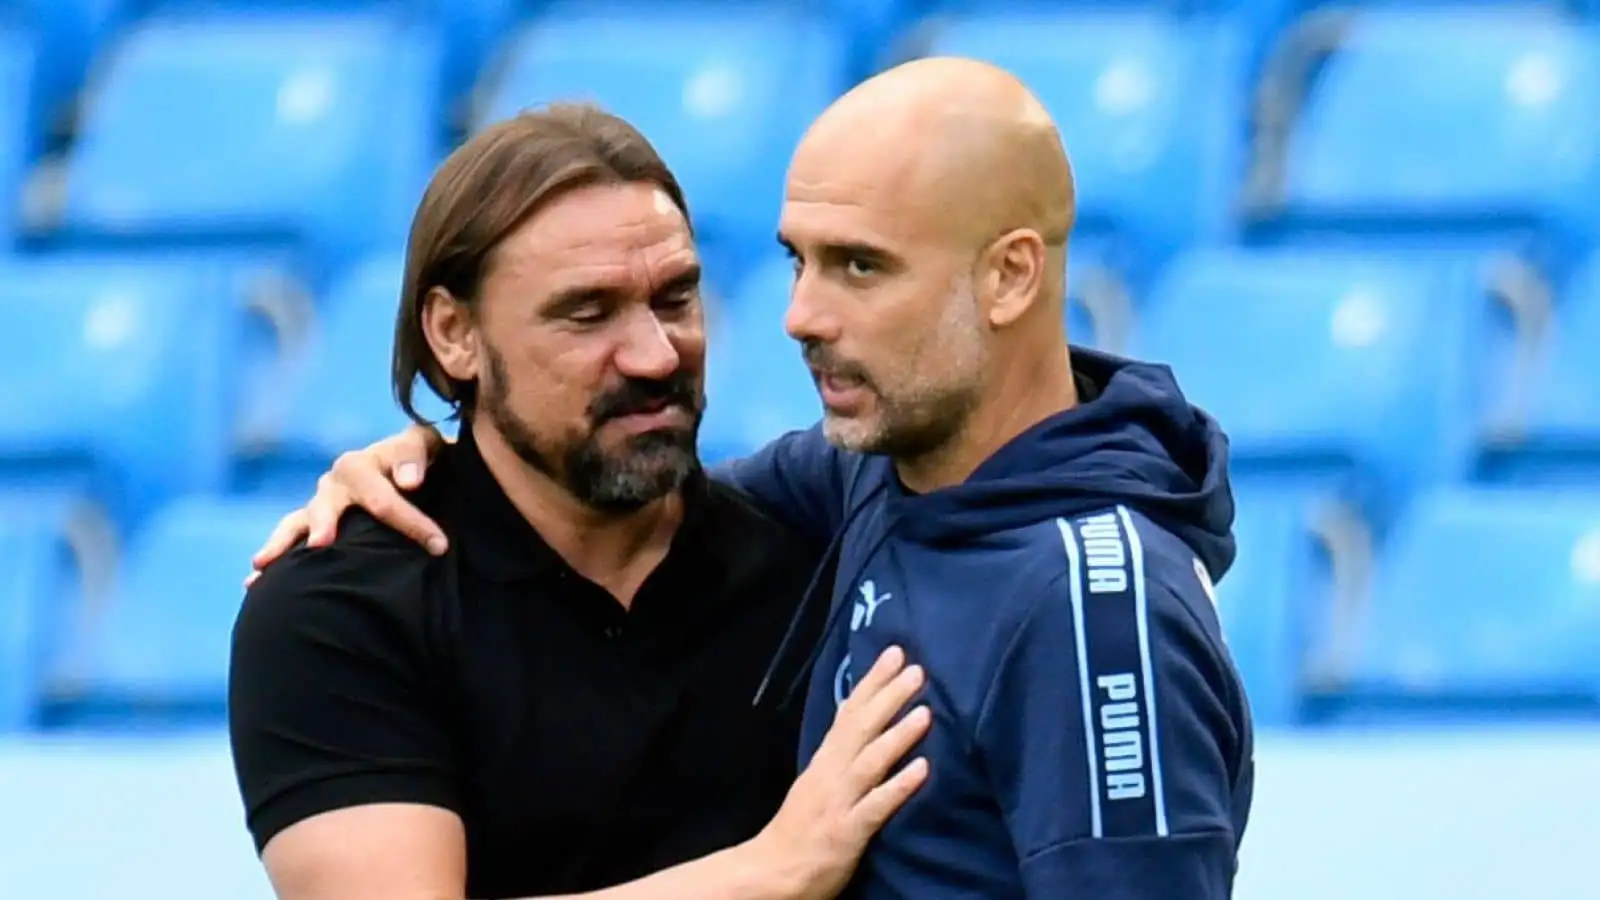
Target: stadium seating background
[[1364, 236]]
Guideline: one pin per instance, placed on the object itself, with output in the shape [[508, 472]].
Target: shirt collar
[[502, 545]]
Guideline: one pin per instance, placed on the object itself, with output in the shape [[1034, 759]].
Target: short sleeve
[[797, 479], [330, 701]]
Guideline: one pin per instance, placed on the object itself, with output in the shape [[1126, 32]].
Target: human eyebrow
[[877, 259], [569, 301], [687, 280], [837, 253]]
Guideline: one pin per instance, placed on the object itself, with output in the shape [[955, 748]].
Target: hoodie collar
[[1133, 439]]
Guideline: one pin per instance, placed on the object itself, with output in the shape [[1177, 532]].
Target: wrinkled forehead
[[629, 239], [878, 197]]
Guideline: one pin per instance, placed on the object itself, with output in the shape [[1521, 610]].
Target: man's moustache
[[639, 396]]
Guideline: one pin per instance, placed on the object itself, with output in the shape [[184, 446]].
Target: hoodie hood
[[1134, 440]]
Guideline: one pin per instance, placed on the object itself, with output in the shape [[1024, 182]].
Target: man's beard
[[644, 469], [930, 402]]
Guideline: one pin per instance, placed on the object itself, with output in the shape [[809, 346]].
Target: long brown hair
[[484, 191]]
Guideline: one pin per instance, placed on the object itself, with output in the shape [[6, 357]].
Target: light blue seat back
[[1486, 596], [724, 92], [317, 131], [119, 375]]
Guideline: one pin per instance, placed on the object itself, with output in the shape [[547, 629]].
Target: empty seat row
[[87, 634], [1389, 369], [306, 134], [329, 388], [1481, 599], [1365, 373], [133, 379], [120, 377], [1449, 130], [1362, 375]]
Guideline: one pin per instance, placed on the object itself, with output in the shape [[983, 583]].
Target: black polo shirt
[[582, 744]]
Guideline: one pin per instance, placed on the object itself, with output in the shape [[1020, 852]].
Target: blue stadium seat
[[207, 7], [473, 32], [1149, 106], [873, 26], [34, 569], [757, 385], [724, 91], [1342, 369], [1546, 429], [1100, 302], [1478, 123], [333, 394], [315, 131], [1485, 596], [1266, 601], [471, 29], [1080, 325], [19, 134], [71, 33], [161, 644], [118, 378]]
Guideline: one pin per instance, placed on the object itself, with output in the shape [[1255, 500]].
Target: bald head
[[927, 211], [954, 142]]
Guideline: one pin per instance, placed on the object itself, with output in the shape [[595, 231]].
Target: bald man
[[1037, 526]]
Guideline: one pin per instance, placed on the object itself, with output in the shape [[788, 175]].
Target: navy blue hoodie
[[1091, 737]]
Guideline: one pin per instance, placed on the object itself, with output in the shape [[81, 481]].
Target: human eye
[[677, 301], [588, 314], [860, 267]]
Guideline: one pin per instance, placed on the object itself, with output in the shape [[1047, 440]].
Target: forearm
[[732, 874]]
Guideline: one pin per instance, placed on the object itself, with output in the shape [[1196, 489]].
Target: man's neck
[[1025, 394], [614, 550]]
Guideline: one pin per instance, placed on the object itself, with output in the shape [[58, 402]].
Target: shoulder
[[368, 563], [1139, 601], [1118, 551], [1129, 609], [804, 458], [1123, 586], [371, 579], [365, 557], [748, 532]]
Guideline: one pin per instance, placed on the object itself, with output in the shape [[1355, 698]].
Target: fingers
[[406, 454], [879, 709], [410, 521], [847, 792], [361, 478], [886, 799], [875, 762], [887, 666], [864, 716], [878, 699], [326, 506], [290, 529]]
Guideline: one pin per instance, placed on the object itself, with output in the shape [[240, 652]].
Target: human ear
[[1013, 276], [452, 333]]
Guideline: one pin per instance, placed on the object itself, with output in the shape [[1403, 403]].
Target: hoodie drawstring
[[828, 558]]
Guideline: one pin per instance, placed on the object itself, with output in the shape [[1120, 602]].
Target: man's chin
[[641, 479], [661, 451], [851, 434]]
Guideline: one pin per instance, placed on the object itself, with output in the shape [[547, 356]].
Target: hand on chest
[[935, 608]]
